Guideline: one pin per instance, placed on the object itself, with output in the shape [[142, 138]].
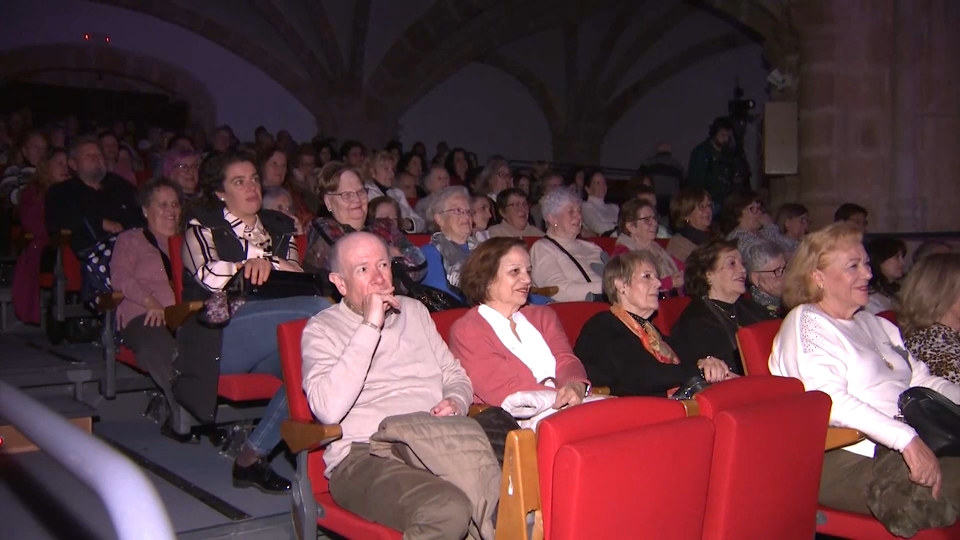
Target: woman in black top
[[621, 348], [716, 280]]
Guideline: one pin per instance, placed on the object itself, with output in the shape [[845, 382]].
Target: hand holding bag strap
[[567, 253]]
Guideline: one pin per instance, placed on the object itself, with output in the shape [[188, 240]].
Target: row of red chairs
[[627, 464], [756, 344]]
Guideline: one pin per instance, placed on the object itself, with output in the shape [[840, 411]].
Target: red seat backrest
[[530, 241], [767, 458], [603, 489], [889, 315], [606, 243], [301, 240], [143, 176], [662, 241], [419, 240], [412, 201], [756, 343], [445, 319], [594, 419], [176, 263], [573, 315], [71, 269], [668, 313]]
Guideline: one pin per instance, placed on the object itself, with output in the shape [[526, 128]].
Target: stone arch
[[769, 21], [161, 76]]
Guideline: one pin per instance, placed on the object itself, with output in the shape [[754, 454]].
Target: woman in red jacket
[[505, 345]]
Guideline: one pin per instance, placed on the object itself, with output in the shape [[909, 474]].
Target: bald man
[[371, 356]]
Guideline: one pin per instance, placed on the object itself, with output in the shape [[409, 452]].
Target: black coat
[[77, 207], [614, 356], [699, 332]]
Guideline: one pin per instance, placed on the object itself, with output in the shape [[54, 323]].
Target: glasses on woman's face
[[350, 196], [505, 174], [519, 205], [777, 272], [457, 211], [648, 220]]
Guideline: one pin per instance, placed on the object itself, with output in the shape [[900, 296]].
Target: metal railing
[[134, 507]]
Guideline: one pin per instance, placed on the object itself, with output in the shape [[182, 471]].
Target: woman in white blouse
[[561, 259], [830, 343]]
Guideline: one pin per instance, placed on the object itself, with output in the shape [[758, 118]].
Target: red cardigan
[[496, 372]]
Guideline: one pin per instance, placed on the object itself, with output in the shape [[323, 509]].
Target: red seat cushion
[[248, 386], [627, 484], [756, 343], [126, 356]]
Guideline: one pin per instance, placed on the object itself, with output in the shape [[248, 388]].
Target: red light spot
[[86, 37], [107, 39]]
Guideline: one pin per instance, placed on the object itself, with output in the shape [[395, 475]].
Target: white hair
[[759, 254], [555, 201]]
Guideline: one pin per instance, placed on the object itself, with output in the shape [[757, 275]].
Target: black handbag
[[693, 385], [936, 419], [435, 299], [221, 305]]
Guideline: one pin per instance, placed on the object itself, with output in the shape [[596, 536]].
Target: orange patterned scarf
[[648, 335]]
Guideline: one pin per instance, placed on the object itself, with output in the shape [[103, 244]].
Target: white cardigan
[[848, 360]]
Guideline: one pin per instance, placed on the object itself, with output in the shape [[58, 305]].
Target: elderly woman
[[345, 197], [452, 243], [744, 221], [279, 199], [765, 266], [514, 211], [505, 345], [562, 260], [638, 230], [230, 234], [140, 269], [930, 315], [183, 167], [495, 177], [550, 182], [691, 212], [716, 280], [793, 219], [831, 344], [379, 173], [886, 262], [436, 179], [622, 349]]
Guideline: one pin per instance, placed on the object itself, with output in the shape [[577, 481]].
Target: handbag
[[690, 388], [221, 305], [934, 416], [435, 299]]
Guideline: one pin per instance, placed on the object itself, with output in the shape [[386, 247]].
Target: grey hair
[[491, 168], [927, 248], [759, 254], [430, 169], [333, 256], [146, 192], [439, 199], [273, 193], [553, 202]]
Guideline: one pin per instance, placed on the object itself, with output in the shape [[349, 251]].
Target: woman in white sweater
[[830, 343]]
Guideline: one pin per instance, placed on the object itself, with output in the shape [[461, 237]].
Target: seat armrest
[[600, 391], [838, 437], [109, 301], [519, 488], [547, 291], [61, 238], [477, 408], [301, 436], [175, 315], [691, 406]]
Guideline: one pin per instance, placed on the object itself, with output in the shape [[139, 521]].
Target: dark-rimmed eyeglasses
[[457, 212], [777, 272], [350, 196]]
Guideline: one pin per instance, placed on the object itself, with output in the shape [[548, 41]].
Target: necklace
[[731, 316]]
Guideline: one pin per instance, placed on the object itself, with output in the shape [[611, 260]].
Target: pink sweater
[[136, 270], [496, 372]]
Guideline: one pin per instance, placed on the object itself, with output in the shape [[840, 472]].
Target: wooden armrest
[[519, 488], [838, 437], [600, 391], [549, 290], [478, 408], [109, 301], [61, 239], [175, 315], [691, 406], [301, 436]]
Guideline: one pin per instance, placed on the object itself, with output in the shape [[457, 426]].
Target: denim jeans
[[250, 346]]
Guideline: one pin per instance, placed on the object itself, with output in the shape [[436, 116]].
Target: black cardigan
[[614, 356], [699, 333]]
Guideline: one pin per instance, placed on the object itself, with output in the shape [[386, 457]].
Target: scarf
[[648, 335], [453, 256], [665, 265], [696, 236], [769, 302]]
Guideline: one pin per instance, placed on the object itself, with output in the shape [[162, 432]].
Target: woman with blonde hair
[[832, 344], [930, 315]]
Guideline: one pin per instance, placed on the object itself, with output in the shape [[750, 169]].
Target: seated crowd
[[494, 237]]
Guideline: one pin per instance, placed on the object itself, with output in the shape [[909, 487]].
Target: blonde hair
[[375, 159], [622, 268], [929, 291], [814, 254]]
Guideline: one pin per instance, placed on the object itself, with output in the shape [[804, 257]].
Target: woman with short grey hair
[[449, 214], [765, 264], [560, 258]]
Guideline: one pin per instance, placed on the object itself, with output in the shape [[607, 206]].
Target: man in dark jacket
[[93, 203], [708, 168]]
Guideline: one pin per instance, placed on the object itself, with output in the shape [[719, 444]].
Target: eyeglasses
[[457, 212], [505, 174], [777, 272], [350, 196], [649, 219], [522, 205], [185, 167]]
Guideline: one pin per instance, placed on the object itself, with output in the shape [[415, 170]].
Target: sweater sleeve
[[333, 375], [569, 368], [822, 365], [547, 271], [493, 374], [200, 258], [456, 383]]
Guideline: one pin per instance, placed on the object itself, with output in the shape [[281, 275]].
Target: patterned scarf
[[648, 335], [452, 255]]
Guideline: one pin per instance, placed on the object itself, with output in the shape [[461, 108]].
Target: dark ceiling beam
[[624, 15], [358, 41], [291, 36], [327, 36], [545, 99]]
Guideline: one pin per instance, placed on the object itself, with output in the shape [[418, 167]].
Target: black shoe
[[260, 476]]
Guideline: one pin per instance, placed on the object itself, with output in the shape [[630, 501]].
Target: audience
[[765, 264], [372, 356], [561, 259], [744, 221], [648, 194], [457, 166], [929, 316], [716, 280], [504, 345], [379, 174], [494, 178], [598, 216], [353, 154], [886, 263], [514, 212], [231, 234], [383, 207], [412, 164], [665, 170], [449, 247], [691, 212], [637, 224], [279, 199], [435, 180], [853, 213], [548, 183], [831, 344], [621, 348], [183, 167], [482, 214], [794, 222]]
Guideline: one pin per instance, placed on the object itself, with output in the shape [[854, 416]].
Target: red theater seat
[[755, 343], [606, 243], [668, 313], [889, 315], [445, 319], [573, 315], [419, 240]]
